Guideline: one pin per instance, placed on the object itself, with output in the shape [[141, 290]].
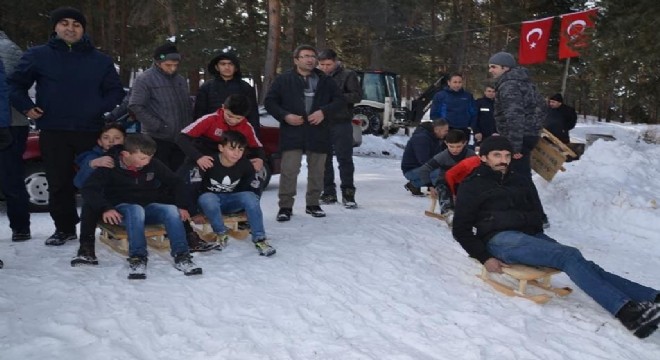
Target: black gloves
[[5, 138]]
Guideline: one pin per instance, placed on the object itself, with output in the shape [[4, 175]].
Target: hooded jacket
[[519, 109], [76, 84], [212, 94], [457, 107], [421, 147], [348, 83], [493, 202]]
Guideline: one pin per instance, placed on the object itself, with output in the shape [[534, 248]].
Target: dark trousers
[[169, 154], [341, 137], [12, 177], [524, 164], [89, 217], [59, 149]]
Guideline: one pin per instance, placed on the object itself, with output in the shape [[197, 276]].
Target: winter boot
[[640, 318], [348, 198], [196, 244], [264, 247], [85, 256], [315, 211], [18, 236], [328, 198], [413, 189], [183, 262], [137, 268], [60, 238], [284, 214]]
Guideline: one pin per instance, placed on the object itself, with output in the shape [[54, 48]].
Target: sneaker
[[413, 189], [196, 244], [315, 211], [328, 198], [640, 318], [264, 248], [20, 235], [84, 257], [137, 268], [222, 240], [183, 262], [284, 214], [348, 198], [60, 238]]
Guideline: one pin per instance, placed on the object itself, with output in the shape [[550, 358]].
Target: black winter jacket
[[212, 94], [348, 83], [154, 183], [560, 121], [421, 147], [286, 96], [493, 202]]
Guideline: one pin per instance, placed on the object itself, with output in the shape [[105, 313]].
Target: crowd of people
[[203, 159]]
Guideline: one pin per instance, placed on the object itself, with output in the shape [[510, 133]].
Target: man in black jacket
[[561, 118], [301, 99], [341, 132], [227, 80], [506, 213], [485, 120]]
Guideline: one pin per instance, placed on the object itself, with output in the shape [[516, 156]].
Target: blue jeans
[[341, 136], [608, 290], [215, 204], [12, 177], [414, 179], [135, 217]]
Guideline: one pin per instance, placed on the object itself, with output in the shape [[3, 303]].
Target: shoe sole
[[649, 328], [137, 276], [283, 219], [195, 271], [317, 215], [77, 263], [267, 254]]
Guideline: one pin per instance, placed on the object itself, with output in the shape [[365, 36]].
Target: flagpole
[[563, 80]]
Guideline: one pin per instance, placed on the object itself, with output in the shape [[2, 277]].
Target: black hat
[[67, 12], [494, 143], [503, 59], [167, 51], [557, 97]]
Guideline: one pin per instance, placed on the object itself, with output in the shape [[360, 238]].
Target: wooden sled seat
[[115, 237], [234, 223], [526, 275]]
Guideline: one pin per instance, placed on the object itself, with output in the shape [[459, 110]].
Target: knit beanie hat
[[494, 143], [167, 51], [503, 59], [67, 12], [557, 97]]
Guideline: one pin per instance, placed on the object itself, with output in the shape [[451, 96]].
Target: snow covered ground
[[379, 282]]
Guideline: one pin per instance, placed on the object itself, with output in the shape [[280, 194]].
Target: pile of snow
[[379, 282]]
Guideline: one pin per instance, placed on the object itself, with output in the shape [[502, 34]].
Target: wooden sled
[[431, 211], [549, 155], [116, 238], [526, 275], [232, 222]]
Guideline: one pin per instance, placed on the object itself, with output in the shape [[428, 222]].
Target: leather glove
[[5, 138]]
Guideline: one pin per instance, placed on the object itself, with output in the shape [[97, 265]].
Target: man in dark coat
[[301, 99], [485, 120], [505, 210], [227, 80], [76, 84], [341, 132], [425, 142], [561, 118]]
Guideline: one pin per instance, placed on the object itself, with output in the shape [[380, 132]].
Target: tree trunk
[[274, 9], [320, 20], [253, 66]]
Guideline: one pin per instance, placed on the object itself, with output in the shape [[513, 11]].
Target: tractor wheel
[[370, 119]]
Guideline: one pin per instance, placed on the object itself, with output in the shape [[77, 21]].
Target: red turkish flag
[[534, 36], [572, 35]]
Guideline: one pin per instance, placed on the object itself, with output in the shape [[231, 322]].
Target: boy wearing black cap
[[561, 118], [76, 84], [506, 213]]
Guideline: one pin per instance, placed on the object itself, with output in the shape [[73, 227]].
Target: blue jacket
[[76, 84], [421, 147], [5, 113], [457, 107], [84, 170]]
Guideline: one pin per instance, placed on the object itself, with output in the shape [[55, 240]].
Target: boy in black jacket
[[134, 193], [229, 186]]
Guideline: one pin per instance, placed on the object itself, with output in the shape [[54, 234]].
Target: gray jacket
[[161, 102], [443, 161], [10, 54], [519, 109]]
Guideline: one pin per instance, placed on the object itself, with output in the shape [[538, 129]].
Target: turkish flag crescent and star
[[534, 36], [572, 32]]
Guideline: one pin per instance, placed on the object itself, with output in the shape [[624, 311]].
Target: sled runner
[[115, 237], [235, 223], [526, 275], [431, 211]]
